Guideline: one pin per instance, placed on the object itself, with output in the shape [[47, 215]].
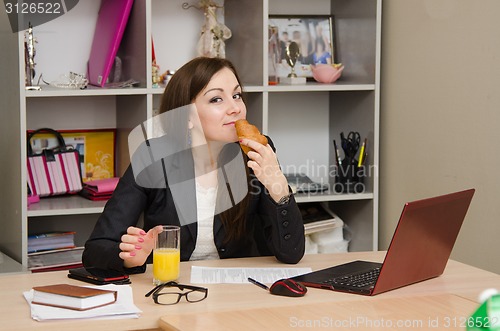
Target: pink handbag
[[53, 171]]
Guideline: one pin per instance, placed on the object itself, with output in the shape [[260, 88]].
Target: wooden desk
[[453, 295]]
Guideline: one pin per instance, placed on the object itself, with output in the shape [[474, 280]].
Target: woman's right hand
[[136, 245]]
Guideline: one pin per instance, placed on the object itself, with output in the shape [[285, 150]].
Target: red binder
[[111, 22]]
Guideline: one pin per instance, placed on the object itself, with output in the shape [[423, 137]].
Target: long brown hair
[[181, 90]]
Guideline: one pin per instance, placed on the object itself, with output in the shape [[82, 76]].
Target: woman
[[321, 55], [266, 221]]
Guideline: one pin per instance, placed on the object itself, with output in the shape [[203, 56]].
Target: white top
[[205, 202]]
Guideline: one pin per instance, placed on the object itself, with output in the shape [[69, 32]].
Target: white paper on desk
[[123, 307], [211, 275]]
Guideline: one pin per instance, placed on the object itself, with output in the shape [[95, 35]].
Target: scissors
[[351, 144]]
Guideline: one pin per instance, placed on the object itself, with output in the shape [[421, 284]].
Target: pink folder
[[111, 22], [102, 185]]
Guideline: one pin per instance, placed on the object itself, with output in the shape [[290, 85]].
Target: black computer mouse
[[288, 287]]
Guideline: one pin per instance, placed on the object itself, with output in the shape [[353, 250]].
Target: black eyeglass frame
[[157, 289]]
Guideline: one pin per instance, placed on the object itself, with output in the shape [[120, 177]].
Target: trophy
[[29, 58], [291, 55]]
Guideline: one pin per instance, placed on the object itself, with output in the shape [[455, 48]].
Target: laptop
[[419, 249]]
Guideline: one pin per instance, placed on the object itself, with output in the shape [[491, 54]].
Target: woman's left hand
[[136, 245], [264, 163]]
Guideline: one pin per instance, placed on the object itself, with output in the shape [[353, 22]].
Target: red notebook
[[111, 22]]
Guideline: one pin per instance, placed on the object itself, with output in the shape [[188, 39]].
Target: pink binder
[[111, 22]]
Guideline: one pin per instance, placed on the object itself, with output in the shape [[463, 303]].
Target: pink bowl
[[326, 73]]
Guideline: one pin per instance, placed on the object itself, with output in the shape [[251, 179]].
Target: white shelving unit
[[302, 118]]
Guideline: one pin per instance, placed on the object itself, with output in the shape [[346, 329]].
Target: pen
[[343, 141], [253, 281], [337, 154], [362, 154]]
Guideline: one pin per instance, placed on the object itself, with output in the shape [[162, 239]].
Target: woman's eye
[[216, 99], [237, 96]]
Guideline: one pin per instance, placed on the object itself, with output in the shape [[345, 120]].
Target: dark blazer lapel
[[217, 229], [231, 180], [180, 174]]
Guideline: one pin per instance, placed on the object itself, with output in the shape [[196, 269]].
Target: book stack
[[51, 240], [53, 251], [324, 230], [98, 190], [316, 217]]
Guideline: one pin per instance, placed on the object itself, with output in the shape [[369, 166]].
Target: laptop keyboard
[[367, 278]]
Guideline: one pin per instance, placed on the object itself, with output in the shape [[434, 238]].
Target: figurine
[[213, 33], [29, 57], [155, 74]]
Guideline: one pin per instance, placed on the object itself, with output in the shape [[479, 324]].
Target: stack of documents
[[58, 259], [214, 275]]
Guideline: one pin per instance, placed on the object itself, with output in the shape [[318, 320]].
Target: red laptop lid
[[423, 240]]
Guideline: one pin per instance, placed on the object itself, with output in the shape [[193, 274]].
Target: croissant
[[249, 131]]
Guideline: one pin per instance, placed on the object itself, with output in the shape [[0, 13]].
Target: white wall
[[440, 115]]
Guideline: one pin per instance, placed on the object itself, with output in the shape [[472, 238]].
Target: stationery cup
[[166, 255], [350, 178]]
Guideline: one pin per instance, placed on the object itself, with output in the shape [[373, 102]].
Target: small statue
[[213, 33], [155, 74], [29, 56]]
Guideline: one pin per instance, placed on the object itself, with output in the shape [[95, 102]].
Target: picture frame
[[311, 32], [97, 150]]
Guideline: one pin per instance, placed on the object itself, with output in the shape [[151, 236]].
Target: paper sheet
[[123, 307], [209, 275]]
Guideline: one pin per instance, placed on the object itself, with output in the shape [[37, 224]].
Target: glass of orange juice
[[166, 255]]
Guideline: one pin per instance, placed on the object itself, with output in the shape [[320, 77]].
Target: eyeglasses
[[167, 294]]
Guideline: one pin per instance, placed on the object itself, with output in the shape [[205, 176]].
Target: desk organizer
[[350, 178]]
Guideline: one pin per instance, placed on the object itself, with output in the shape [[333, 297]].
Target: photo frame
[[313, 33], [96, 147]]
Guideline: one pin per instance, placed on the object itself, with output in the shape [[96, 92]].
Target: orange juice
[[166, 264]]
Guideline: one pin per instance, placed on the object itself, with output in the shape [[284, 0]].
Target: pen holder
[[350, 178]]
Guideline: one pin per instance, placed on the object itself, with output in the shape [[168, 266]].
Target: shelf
[[8, 265], [308, 87], [246, 88], [323, 197], [311, 87], [51, 91], [67, 205], [301, 119]]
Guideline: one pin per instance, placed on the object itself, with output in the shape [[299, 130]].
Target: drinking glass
[[166, 255]]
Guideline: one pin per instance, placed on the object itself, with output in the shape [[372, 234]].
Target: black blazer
[[270, 229]]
